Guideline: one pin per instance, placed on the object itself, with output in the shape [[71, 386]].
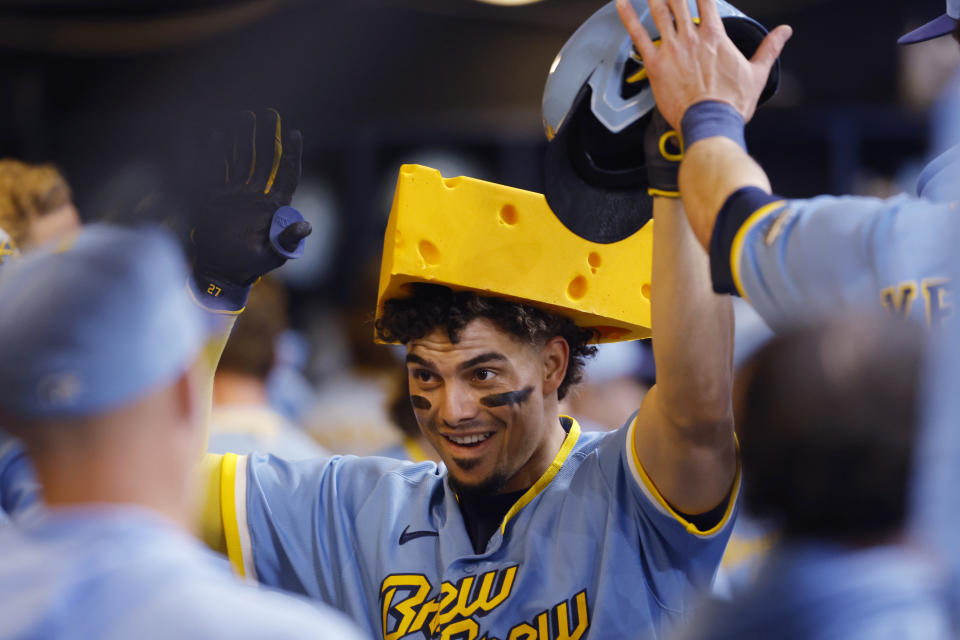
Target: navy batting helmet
[[596, 105]]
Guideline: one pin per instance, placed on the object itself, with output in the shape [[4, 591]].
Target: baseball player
[[790, 258], [99, 379], [530, 527]]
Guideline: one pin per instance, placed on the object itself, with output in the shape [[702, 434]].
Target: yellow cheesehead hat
[[472, 235]]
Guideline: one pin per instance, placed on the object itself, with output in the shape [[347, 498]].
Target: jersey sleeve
[[291, 524], [682, 557], [797, 259]]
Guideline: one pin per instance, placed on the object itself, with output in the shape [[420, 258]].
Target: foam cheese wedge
[[469, 234]]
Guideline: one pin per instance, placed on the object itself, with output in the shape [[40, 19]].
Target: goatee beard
[[489, 487]]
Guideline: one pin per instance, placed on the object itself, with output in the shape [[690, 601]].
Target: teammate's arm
[[714, 169], [787, 257]]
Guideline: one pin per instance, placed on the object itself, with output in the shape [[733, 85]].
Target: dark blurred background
[[114, 91]]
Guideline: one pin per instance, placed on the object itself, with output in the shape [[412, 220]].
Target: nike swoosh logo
[[406, 537]]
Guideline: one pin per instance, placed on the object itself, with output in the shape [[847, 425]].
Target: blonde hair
[[28, 192]]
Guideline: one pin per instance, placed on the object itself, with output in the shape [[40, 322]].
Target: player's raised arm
[[684, 434], [245, 228]]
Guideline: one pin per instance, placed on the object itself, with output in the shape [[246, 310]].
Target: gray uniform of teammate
[[795, 258]]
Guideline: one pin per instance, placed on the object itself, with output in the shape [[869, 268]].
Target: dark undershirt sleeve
[[710, 519], [738, 208]]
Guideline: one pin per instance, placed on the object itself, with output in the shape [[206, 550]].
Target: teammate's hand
[[693, 64], [247, 227], [663, 148]]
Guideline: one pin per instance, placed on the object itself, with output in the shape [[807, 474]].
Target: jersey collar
[[573, 434], [453, 533]]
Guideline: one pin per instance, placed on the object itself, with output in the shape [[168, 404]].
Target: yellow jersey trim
[[414, 450], [233, 502], [741, 236], [568, 444], [228, 504], [210, 511], [665, 506]]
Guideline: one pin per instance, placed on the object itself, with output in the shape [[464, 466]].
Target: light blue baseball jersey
[[122, 572], [797, 259], [19, 489], [822, 592], [591, 550]]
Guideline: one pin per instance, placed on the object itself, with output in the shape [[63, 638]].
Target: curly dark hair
[[434, 306]]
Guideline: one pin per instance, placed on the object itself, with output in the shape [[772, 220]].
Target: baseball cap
[[937, 27], [95, 325]]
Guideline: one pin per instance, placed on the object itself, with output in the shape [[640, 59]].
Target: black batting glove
[[247, 228], [663, 149]]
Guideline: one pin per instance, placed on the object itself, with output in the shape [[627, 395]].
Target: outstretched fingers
[[638, 33], [770, 49], [288, 170], [709, 15], [267, 150], [241, 154], [683, 20], [663, 18]]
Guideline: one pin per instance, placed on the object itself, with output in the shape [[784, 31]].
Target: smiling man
[[529, 528], [475, 365]]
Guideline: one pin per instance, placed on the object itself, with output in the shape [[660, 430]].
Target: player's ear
[[555, 357]]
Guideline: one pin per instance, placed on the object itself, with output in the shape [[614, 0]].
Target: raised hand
[[692, 64], [247, 227]]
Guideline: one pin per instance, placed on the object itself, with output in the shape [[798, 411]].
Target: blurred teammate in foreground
[[827, 417], [800, 257], [101, 379]]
